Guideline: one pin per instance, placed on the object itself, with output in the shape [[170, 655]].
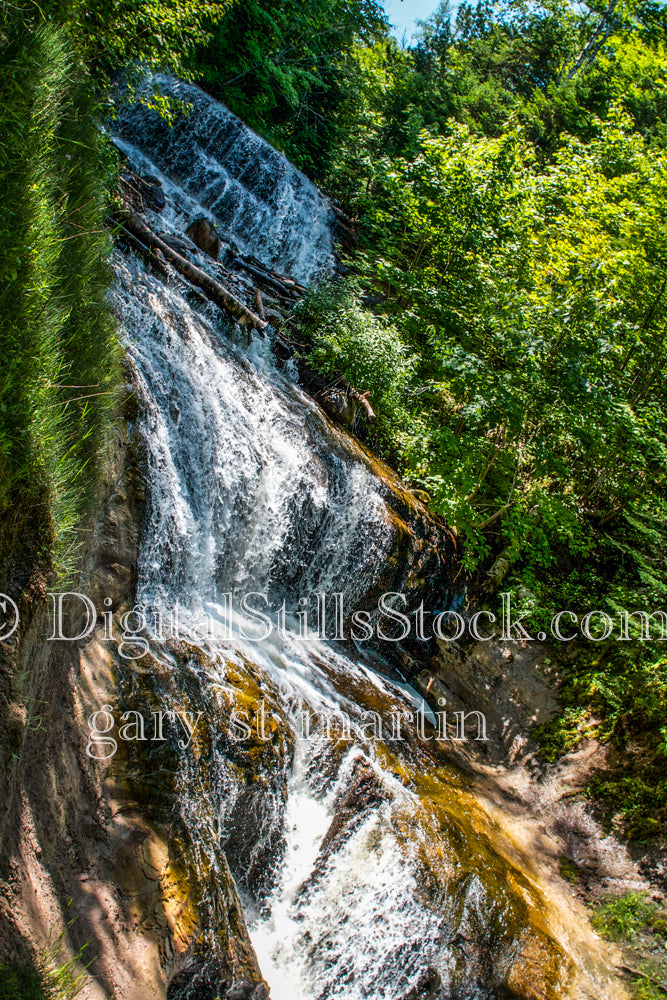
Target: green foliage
[[621, 918], [115, 37], [531, 297], [146, 35], [619, 693], [287, 69], [640, 797], [562, 734], [57, 385], [60, 982], [62, 978], [347, 339], [646, 990]]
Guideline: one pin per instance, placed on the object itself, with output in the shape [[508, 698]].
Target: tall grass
[[58, 353]]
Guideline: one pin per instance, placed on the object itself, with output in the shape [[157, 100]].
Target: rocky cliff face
[[102, 846], [80, 851]]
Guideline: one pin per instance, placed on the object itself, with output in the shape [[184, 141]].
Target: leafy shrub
[[347, 339]]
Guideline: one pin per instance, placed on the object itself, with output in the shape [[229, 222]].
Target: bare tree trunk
[[596, 41]]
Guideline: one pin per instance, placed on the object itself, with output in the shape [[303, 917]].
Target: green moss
[[639, 926], [621, 918], [21, 983], [645, 990], [561, 734], [569, 870]]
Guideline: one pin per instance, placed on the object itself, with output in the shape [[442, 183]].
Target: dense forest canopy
[[506, 304]]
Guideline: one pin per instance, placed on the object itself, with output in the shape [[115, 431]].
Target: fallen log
[[286, 292], [211, 288], [289, 283], [140, 248], [250, 259]]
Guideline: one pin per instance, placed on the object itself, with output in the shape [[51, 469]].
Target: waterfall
[[210, 163], [249, 492], [363, 871]]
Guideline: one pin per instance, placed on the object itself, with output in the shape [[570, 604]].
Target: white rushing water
[[212, 164], [249, 491], [246, 496]]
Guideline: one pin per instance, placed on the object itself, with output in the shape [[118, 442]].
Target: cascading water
[[363, 870], [211, 164]]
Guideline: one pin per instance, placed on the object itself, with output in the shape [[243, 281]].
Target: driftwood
[[509, 555], [261, 275], [263, 269], [290, 283], [259, 304], [140, 248], [212, 289]]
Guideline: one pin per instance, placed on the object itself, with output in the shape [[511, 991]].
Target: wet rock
[[539, 972], [141, 193], [178, 243], [427, 987], [199, 981], [512, 684], [202, 232], [152, 193], [364, 793], [247, 991], [255, 840], [274, 318], [434, 690], [282, 350], [130, 406]]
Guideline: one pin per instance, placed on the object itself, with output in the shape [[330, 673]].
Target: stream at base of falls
[[367, 869]]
